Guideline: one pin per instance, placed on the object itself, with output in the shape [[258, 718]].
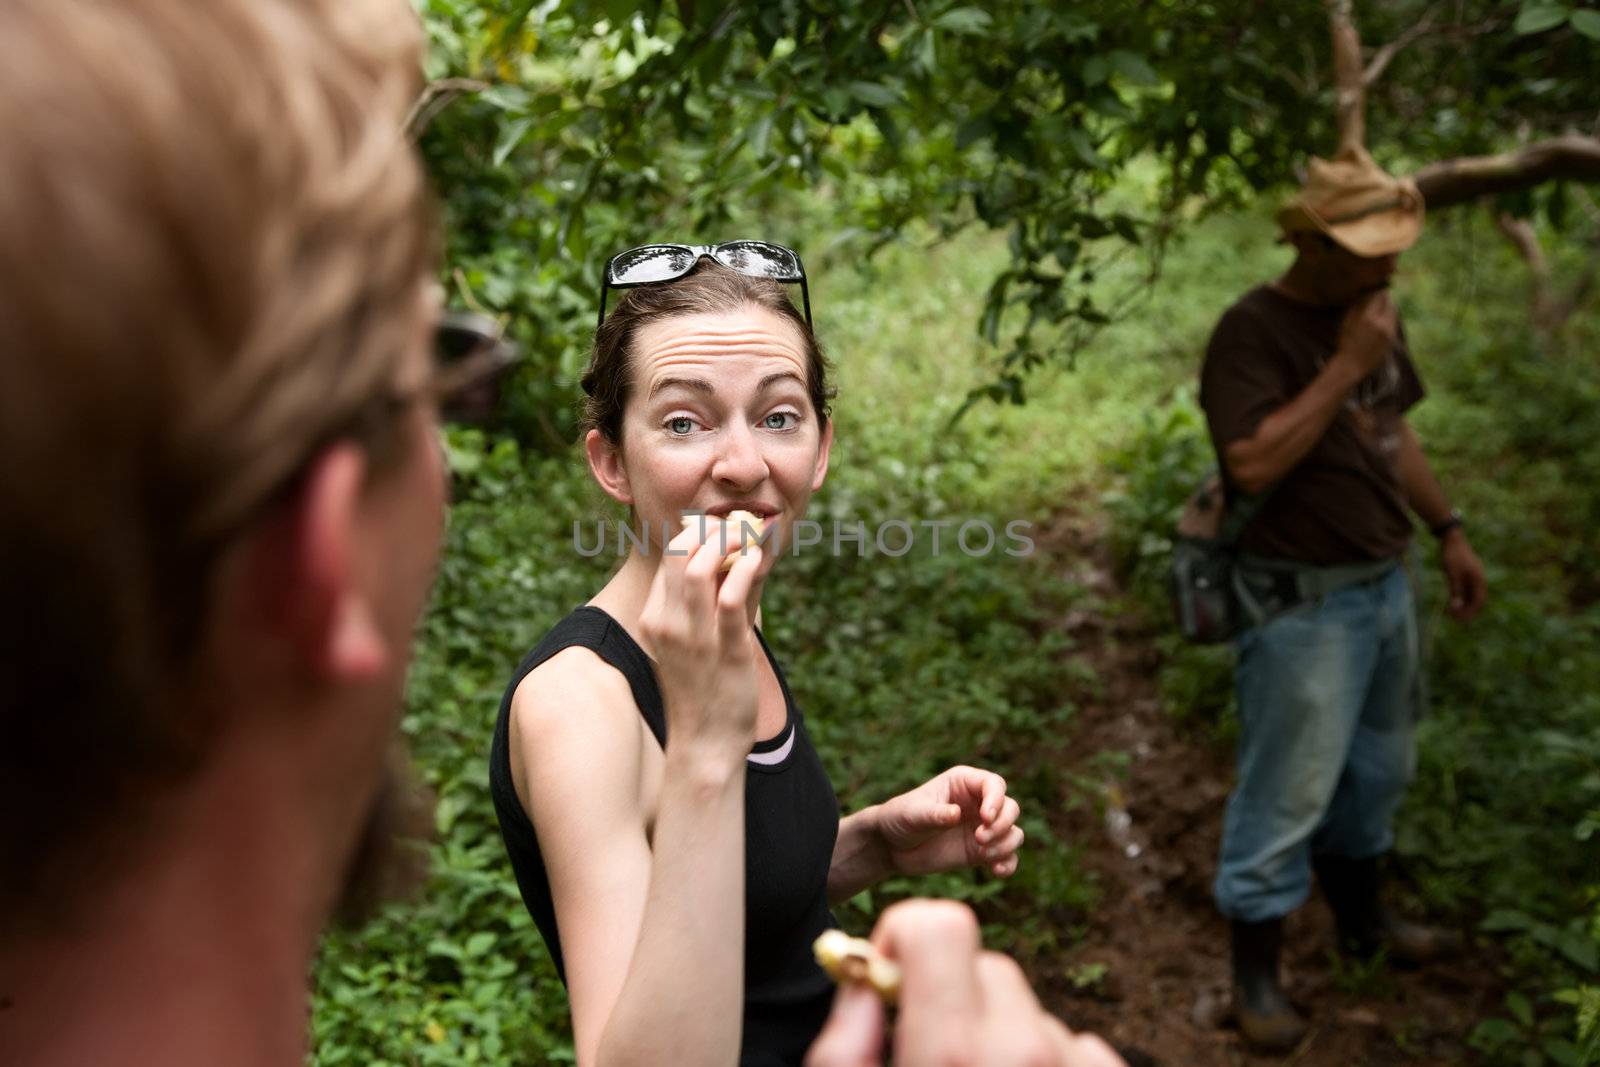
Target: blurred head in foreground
[[221, 500], [1349, 223]]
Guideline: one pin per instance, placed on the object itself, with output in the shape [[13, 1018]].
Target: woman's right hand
[[697, 624]]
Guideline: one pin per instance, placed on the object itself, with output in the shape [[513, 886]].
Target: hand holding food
[[957, 1005], [697, 629]]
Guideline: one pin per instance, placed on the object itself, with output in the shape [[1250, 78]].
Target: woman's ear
[[824, 447], [605, 463]]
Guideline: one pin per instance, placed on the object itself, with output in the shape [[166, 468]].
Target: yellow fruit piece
[[853, 959]]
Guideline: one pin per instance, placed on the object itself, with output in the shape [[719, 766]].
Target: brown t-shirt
[[1344, 502]]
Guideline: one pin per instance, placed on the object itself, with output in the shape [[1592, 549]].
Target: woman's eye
[[680, 425], [781, 420]]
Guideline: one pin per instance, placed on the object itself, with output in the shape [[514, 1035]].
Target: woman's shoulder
[[573, 698]]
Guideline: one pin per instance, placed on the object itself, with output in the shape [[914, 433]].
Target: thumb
[[935, 816], [853, 1034]]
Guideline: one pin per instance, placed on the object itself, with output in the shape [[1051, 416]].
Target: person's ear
[[305, 574], [824, 447], [605, 463]]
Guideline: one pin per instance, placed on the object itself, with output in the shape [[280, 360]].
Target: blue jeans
[[1326, 709]]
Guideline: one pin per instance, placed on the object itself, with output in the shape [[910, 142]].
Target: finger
[[1080, 1050], [853, 1034], [704, 568], [675, 558], [733, 599], [1006, 847], [936, 944], [991, 790], [1006, 867], [923, 815], [1014, 1029], [1010, 810]]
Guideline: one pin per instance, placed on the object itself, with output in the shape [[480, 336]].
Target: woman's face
[[719, 418]]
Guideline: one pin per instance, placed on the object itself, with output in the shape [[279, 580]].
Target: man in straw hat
[[220, 513], [1305, 387]]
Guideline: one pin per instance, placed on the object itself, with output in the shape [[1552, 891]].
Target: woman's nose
[[739, 461]]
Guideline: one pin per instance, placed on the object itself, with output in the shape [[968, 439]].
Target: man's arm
[[1423, 492], [1282, 439], [1462, 568]]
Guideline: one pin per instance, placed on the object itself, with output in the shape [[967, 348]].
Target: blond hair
[[213, 238]]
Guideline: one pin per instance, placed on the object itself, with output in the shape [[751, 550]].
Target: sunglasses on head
[[652, 264]]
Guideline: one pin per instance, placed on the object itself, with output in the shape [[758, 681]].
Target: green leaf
[[972, 20], [1133, 68], [1587, 22], [480, 942], [1520, 1007], [874, 94], [1080, 143], [511, 135], [1539, 16]]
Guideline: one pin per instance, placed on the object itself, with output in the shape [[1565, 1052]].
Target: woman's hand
[[696, 623], [958, 1004], [962, 818]]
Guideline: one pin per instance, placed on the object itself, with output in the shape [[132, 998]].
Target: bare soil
[[1150, 839]]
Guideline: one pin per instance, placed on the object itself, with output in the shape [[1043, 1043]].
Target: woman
[[642, 860]]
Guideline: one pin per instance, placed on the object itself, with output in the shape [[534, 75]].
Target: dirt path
[[1152, 843]]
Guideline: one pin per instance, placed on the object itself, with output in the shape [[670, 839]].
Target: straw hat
[[1352, 200]]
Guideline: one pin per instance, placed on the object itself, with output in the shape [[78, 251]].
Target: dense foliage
[[600, 125]]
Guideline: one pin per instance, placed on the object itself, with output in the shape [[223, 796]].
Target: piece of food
[[747, 527], [853, 959]]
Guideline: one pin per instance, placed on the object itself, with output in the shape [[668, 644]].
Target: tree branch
[[1525, 240], [1521, 234], [1350, 88], [1456, 181], [1383, 56], [434, 98]]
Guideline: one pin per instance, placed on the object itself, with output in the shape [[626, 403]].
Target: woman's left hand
[[962, 818]]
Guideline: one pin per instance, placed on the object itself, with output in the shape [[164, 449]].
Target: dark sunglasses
[[471, 358], [652, 264]]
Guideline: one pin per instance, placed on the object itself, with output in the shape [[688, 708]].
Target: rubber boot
[[1365, 925], [1266, 1018]]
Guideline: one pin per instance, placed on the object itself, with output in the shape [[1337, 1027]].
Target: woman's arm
[[860, 858], [655, 946], [636, 916]]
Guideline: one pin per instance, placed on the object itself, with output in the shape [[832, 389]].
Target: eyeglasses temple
[[603, 287], [805, 295]]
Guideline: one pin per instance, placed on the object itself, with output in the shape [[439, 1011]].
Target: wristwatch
[[1455, 521]]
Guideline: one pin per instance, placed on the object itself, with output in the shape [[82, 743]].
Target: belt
[[1268, 587]]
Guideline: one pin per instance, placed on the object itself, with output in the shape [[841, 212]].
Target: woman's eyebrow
[[773, 379], [698, 385]]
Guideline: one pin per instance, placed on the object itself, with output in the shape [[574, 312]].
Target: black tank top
[[791, 821]]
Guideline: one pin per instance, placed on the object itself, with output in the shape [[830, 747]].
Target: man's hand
[[1464, 572], [961, 818], [958, 1004], [1369, 331]]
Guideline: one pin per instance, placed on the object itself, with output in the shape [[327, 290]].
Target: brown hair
[[708, 289], [213, 243]]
